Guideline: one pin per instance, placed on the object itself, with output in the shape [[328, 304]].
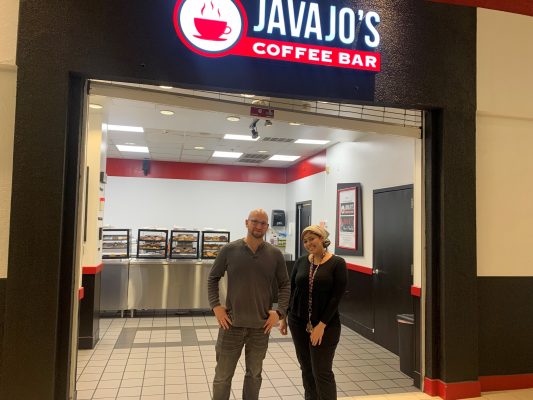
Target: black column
[[89, 328]]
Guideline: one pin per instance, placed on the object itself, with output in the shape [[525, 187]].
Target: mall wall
[[504, 140], [8, 79]]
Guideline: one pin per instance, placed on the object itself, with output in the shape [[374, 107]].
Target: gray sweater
[[250, 279]]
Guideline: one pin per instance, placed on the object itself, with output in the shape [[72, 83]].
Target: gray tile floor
[[167, 357]]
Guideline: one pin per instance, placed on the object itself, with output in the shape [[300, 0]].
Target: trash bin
[[406, 340]]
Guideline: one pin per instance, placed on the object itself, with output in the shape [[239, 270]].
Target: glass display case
[[115, 243], [212, 242], [152, 243], [184, 244]]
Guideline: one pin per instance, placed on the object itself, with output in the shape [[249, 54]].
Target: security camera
[[253, 128]]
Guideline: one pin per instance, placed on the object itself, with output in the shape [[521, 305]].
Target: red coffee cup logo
[[210, 28]]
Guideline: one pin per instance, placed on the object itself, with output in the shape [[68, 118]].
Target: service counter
[[137, 284]]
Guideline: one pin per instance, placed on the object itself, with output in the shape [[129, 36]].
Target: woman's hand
[[283, 326], [317, 333]]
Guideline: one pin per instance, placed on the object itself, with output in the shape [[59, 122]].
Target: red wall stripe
[[92, 270], [463, 390], [524, 7], [359, 268], [194, 171], [452, 391], [310, 166], [215, 172], [81, 293], [506, 382], [416, 291]]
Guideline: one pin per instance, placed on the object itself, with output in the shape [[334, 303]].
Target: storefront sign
[[288, 30]]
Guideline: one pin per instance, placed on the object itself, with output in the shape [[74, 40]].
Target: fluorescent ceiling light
[[233, 118], [311, 141], [95, 106], [248, 96], [199, 147], [294, 123], [166, 112], [279, 157], [226, 154], [125, 128], [130, 143], [132, 149], [166, 87], [262, 151], [240, 137]]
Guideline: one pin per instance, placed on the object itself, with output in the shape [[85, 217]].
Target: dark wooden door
[[303, 220], [393, 259]]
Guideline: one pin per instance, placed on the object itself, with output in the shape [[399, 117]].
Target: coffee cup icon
[[211, 29]]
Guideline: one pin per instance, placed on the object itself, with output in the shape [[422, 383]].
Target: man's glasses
[[256, 222]]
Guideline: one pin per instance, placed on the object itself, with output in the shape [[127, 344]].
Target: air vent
[[250, 160], [277, 139], [254, 156]]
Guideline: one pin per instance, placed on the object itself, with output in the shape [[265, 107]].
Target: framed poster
[[349, 222]]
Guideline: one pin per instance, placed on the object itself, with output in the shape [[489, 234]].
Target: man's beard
[[257, 235]]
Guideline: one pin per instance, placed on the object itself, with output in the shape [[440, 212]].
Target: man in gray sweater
[[252, 266]]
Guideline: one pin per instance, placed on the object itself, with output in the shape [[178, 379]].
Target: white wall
[[504, 141], [309, 188], [8, 81], [9, 12], [383, 161], [386, 161], [142, 202]]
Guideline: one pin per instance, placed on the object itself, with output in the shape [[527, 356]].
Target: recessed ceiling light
[[199, 147], [248, 96], [294, 123], [226, 154], [125, 128], [166, 112], [311, 141], [262, 151], [166, 87], [240, 137], [95, 106], [132, 149], [233, 118], [279, 157]]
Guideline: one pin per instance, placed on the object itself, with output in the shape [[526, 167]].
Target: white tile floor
[[173, 357]]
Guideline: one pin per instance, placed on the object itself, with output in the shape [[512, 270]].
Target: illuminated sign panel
[[287, 30]]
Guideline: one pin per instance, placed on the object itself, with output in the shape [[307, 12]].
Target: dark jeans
[[316, 362], [228, 350]]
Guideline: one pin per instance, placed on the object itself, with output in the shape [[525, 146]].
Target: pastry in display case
[[115, 243], [152, 243], [184, 244], [212, 242]]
